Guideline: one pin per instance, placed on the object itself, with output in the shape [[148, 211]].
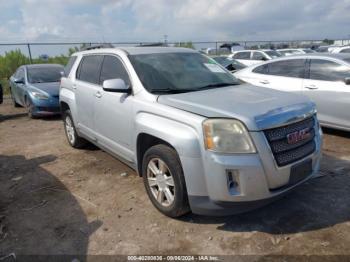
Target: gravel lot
[[58, 200]]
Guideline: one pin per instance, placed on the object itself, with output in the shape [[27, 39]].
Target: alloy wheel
[[161, 182]]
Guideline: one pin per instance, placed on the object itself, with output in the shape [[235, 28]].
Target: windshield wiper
[[216, 85], [172, 91]]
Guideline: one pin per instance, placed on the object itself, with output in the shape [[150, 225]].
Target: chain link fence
[[12, 55]]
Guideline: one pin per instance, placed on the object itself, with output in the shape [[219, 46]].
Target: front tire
[[72, 136], [164, 181], [30, 107]]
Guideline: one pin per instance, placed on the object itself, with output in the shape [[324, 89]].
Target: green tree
[[328, 41], [185, 44]]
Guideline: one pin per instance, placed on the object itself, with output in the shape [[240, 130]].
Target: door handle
[[265, 82], [98, 94], [74, 86], [311, 87]]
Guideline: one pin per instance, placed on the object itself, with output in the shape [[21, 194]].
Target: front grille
[[286, 153]]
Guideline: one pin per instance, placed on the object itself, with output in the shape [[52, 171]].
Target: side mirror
[[264, 59], [19, 81], [347, 80], [116, 85]]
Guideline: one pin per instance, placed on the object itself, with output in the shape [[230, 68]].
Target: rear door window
[[90, 68], [328, 70], [287, 68], [263, 69], [258, 56], [113, 68], [242, 55]]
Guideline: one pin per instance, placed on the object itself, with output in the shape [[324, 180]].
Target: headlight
[[39, 95], [227, 136]]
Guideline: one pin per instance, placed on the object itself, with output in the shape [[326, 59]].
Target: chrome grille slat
[[286, 153]]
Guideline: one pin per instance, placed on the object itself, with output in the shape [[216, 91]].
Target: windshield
[[180, 72], [273, 54], [44, 74]]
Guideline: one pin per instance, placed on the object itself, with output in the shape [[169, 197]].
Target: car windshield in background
[[44, 74], [180, 72], [273, 54]]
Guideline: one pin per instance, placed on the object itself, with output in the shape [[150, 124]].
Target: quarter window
[[287, 68], [328, 70], [113, 68], [242, 55], [263, 69], [69, 65], [89, 69]]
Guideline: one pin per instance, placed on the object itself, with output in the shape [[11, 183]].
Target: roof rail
[[98, 46], [152, 44]]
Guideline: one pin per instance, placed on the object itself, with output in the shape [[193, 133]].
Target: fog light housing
[[232, 176]]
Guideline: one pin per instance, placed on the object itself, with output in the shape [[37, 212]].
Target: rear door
[[326, 87], [285, 75], [17, 88], [113, 111], [258, 57], [86, 89]]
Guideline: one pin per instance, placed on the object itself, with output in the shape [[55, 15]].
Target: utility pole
[[166, 40], [30, 54]]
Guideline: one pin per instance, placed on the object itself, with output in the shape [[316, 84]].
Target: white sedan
[[325, 78]]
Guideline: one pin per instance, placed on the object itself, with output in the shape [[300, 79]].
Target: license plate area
[[300, 171]]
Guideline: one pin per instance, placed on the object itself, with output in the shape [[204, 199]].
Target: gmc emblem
[[298, 136]]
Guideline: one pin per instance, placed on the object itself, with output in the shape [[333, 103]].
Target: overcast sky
[[150, 20]]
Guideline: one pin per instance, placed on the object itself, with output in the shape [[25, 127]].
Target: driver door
[[113, 111]]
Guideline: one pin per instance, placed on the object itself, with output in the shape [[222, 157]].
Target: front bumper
[[46, 107], [256, 179]]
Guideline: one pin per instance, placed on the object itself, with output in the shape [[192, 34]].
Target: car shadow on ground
[[11, 117], [38, 214], [336, 132], [319, 203]]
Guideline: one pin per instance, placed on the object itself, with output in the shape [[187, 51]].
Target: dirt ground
[[58, 200]]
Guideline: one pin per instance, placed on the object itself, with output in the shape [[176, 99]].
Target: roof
[[142, 50], [340, 56], [43, 65], [329, 55]]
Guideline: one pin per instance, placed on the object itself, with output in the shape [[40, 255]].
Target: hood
[[51, 88], [257, 107]]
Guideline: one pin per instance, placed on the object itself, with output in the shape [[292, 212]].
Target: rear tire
[[15, 104], [164, 181], [72, 136]]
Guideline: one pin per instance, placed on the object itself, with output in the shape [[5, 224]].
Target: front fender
[[181, 136], [185, 139]]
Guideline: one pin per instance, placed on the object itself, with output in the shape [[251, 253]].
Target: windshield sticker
[[215, 68]]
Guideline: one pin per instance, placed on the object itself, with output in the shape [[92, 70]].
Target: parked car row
[[324, 78]]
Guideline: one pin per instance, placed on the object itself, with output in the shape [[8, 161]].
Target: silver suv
[[201, 140]]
